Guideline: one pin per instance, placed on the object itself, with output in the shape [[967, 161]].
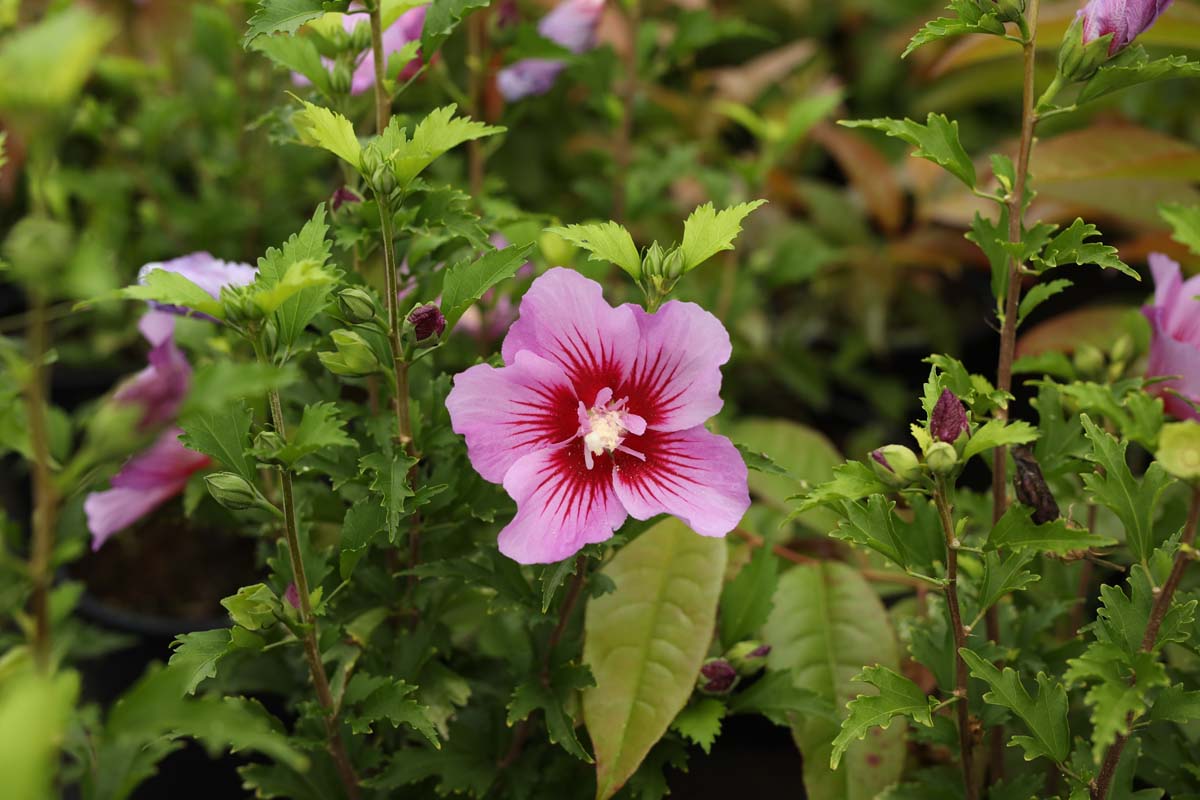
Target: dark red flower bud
[[292, 595], [717, 676], [343, 196], [949, 419], [427, 321]]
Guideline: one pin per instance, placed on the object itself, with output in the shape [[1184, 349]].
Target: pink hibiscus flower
[[210, 274], [572, 24], [597, 415], [407, 28], [1175, 322], [1124, 19]]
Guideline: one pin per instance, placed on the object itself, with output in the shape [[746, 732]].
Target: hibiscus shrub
[[511, 542]]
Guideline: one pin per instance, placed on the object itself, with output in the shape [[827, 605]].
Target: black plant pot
[[751, 758]]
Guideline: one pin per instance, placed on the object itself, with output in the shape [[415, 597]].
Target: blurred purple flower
[[159, 388], [292, 595], [1175, 348], [210, 274], [144, 483], [1124, 19], [407, 28], [572, 25]]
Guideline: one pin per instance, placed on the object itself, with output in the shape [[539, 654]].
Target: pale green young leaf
[[746, 600], [1044, 714], [1070, 247], [1185, 222], [1135, 502], [607, 242], [707, 231], [310, 244], [1132, 67], [284, 16], [171, 288], [435, 135], [321, 426], [997, 433], [35, 712], [442, 18], [253, 607], [296, 54], [44, 65], [318, 126], [700, 722], [300, 275], [853, 480], [936, 141], [969, 18], [898, 697], [224, 435], [1016, 530], [645, 642], [467, 281], [197, 653]]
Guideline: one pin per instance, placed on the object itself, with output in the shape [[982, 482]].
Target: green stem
[[383, 103], [399, 362], [45, 493]]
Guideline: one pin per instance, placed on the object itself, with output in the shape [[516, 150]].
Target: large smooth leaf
[[826, 626], [806, 454], [645, 643]]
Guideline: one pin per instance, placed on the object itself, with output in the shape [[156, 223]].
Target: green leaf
[[554, 697], [777, 697], [35, 711], [1044, 715], [645, 642], [1016, 530], [253, 607], [1133, 67], [1134, 502], [871, 525], [296, 54], [43, 66], [827, 624], [1039, 294], [375, 699], [1003, 576], [1185, 222], [806, 454], [197, 655], [969, 18], [363, 523], [607, 242], [700, 722], [746, 601], [897, 697], [320, 127], [300, 309], [320, 427], [1122, 618], [852, 480], [171, 288], [224, 435], [1070, 247], [1176, 704], [991, 237], [997, 433], [707, 231], [285, 16], [467, 281], [220, 384], [390, 482], [300, 275], [936, 141], [1119, 687], [434, 136], [442, 17]]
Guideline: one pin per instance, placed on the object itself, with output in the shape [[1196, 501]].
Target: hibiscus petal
[[145, 482], [159, 388], [528, 77], [675, 381], [561, 505], [509, 412], [565, 319], [1169, 356], [572, 24], [694, 475]]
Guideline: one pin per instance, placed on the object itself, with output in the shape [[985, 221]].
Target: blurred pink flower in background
[[406, 29], [210, 274], [1175, 348], [572, 24]]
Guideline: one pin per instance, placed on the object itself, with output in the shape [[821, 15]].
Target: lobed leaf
[[606, 241], [936, 141], [1045, 715], [898, 697], [707, 231], [281, 16], [467, 281]]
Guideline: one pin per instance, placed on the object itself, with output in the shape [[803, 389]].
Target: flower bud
[[266, 445], [232, 491], [383, 181], [1010, 10], [942, 458], [239, 307], [1122, 349], [292, 596], [360, 38], [427, 323], [896, 465], [1179, 449], [356, 305], [1089, 361], [949, 418], [1077, 61], [353, 357], [748, 657], [652, 262], [341, 78], [717, 677], [674, 265]]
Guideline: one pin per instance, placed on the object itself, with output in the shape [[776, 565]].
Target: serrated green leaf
[[645, 642], [296, 54], [1040, 294], [871, 525], [777, 697], [318, 126], [936, 141], [998, 433], [281, 16], [321, 426], [969, 18], [700, 722], [827, 624], [363, 523], [1003, 576], [746, 601], [434, 136], [467, 281], [390, 482], [1016, 530], [897, 697], [1134, 502], [253, 607], [1119, 684], [607, 242], [852, 481], [1185, 222], [707, 231], [224, 435], [219, 384], [171, 288], [1122, 618], [1070, 247], [1132, 67], [374, 699], [442, 17], [197, 653], [1045, 715], [300, 275], [1176, 704], [554, 697], [310, 244]]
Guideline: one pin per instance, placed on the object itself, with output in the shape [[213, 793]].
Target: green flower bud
[[341, 78], [1123, 349], [240, 308], [1179, 449], [383, 181], [1009, 10], [266, 445], [353, 357], [1078, 62], [1089, 361], [356, 305], [360, 38], [942, 458], [674, 265], [232, 491], [39, 248], [652, 262], [748, 657], [896, 465]]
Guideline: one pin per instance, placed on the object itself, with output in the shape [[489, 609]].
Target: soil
[[168, 567]]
